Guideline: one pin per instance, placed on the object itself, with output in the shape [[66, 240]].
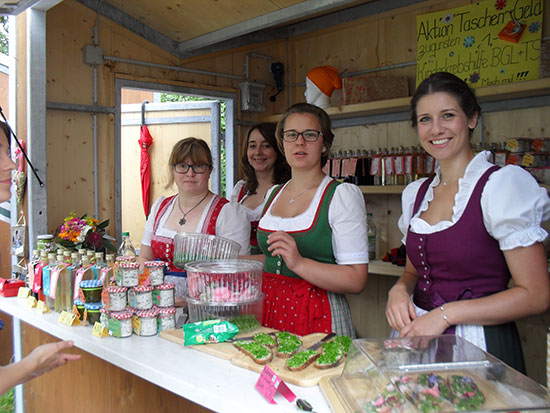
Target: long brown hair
[[281, 170]]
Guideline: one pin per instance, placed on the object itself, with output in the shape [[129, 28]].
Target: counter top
[[203, 379]]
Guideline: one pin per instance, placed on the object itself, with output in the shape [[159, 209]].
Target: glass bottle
[[46, 278], [63, 291], [371, 234], [83, 273], [73, 268], [126, 248], [33, 262], [98, 265]]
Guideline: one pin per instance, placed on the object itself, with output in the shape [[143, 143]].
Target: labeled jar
[[166, 318], [117, 298], [163, 295], [156, 272], [142, 298], [104, 315], [127, 274], [93, 312], [91, 290], [44, 242], [79, 304], [120, 324], [144, 322]]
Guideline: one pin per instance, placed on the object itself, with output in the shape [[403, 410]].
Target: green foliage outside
[[4, 35], [7, 402], [168, 97]]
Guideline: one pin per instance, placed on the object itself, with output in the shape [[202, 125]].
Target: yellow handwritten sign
[[486, 43], [42, 308], [31, 302], [68, 318], [99, 330], [23, 292]]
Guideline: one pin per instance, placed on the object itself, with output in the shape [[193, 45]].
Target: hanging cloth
[[145, 141]]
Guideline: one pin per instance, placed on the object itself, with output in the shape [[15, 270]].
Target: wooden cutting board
[[310, 376]]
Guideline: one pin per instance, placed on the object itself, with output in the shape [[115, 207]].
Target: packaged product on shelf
[[104, 317], [154, 272], [359, 89], [163, 295], [98, 265], [107, 272], [92, 312], [115, 298], [120, 324], [61, 289], [79, 304], [166, 318], [82, 273], [144, 322], [142, 297], [90, 291], [376, 168], [127, 274]]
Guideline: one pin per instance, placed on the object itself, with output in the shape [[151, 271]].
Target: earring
[[324, 149]]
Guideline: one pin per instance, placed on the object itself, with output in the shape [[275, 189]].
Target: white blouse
[[347, 218], [512, 202], [253, 214], [232, 223]]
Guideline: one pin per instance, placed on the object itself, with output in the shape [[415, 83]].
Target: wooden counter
[[140, 374]]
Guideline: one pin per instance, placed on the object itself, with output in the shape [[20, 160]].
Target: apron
[[254, 249], [291, 303], [163, 247], [464, 262]]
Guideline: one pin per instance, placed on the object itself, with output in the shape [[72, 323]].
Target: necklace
[[292, 199], [182, 221]]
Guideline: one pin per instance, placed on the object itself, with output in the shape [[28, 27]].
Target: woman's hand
[[48, 357], [429, 324], [280, 243], [399, 308]]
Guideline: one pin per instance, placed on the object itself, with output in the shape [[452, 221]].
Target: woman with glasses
[[263, 166], [193, 209], [313, 234]]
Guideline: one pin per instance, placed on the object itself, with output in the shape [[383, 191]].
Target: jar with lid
[[144, 322], [155, 271], [163, 295], [127, 274], [142, 297], [120, 324], [116, 298], [79, 304], [44, 242], [104, 315], [166, 318], [92, 311]]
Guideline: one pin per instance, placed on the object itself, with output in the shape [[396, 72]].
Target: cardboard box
[[358, 89]]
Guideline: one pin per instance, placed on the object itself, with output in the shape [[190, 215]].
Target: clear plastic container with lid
[[156, 271], [142, 297], [117, 298], [120, 324], [145, 322], [190, 246], [166, 318], [127, 274], [163, 295]]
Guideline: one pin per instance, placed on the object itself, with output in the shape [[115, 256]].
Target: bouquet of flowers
[[85, 232]]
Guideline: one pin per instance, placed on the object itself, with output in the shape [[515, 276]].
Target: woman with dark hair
[[313, 234], [263, 166], [46, 357], [193, 209], [468, 230]]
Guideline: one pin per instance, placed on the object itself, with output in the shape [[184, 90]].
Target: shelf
[[538, 87], [385, 268], [381, 190]]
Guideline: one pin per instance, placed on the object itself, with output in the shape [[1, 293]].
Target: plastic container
[[142, 297], [127, 274], [225, 280], [120, 324], [145, 322], [156, 272], [91, 290], [117, 298], [190, 246], [93, 312], [247, 315], [163, 295], [126, 248], [166, 318]]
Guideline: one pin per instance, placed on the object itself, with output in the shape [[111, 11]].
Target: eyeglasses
[[309, 135], [183, 168]]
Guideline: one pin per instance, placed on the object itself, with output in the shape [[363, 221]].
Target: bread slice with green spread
[[345, 342], [332, 355], [302, 359], [287, 344], [256, 351], [266, 339]]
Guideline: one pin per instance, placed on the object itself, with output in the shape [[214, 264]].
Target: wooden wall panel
[[92, 385]]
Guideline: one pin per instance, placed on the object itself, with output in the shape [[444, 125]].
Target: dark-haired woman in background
[[263, 166], [468, 230]]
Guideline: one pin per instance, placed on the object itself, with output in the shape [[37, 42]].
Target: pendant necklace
[[182, 221], [292, 199]]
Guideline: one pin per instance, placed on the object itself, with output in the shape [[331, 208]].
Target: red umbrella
[[145, 140]]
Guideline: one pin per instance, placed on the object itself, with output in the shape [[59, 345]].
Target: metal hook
[[143, 111]]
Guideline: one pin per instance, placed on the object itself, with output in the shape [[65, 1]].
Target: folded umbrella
[[145, 141]]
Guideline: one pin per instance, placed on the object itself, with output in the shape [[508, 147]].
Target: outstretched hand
[[47, 357]]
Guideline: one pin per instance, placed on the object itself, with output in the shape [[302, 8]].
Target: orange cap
[[325, 78]]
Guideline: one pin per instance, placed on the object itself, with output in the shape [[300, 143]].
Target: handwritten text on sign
[[487, 43]]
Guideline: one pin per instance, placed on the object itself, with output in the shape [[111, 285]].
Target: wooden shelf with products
[[538, 87], [382, 189], [380, 267]]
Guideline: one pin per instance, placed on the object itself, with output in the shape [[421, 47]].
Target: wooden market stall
[[379, 40]]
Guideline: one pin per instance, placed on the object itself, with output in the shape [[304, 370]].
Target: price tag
[[75, 312], [84, 317], [136, 325], [23, 292], [31, 302], [42, 308], [99, 330], [144, 277], [269, 383], [68, 319], [105, 297], [527, 160]]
